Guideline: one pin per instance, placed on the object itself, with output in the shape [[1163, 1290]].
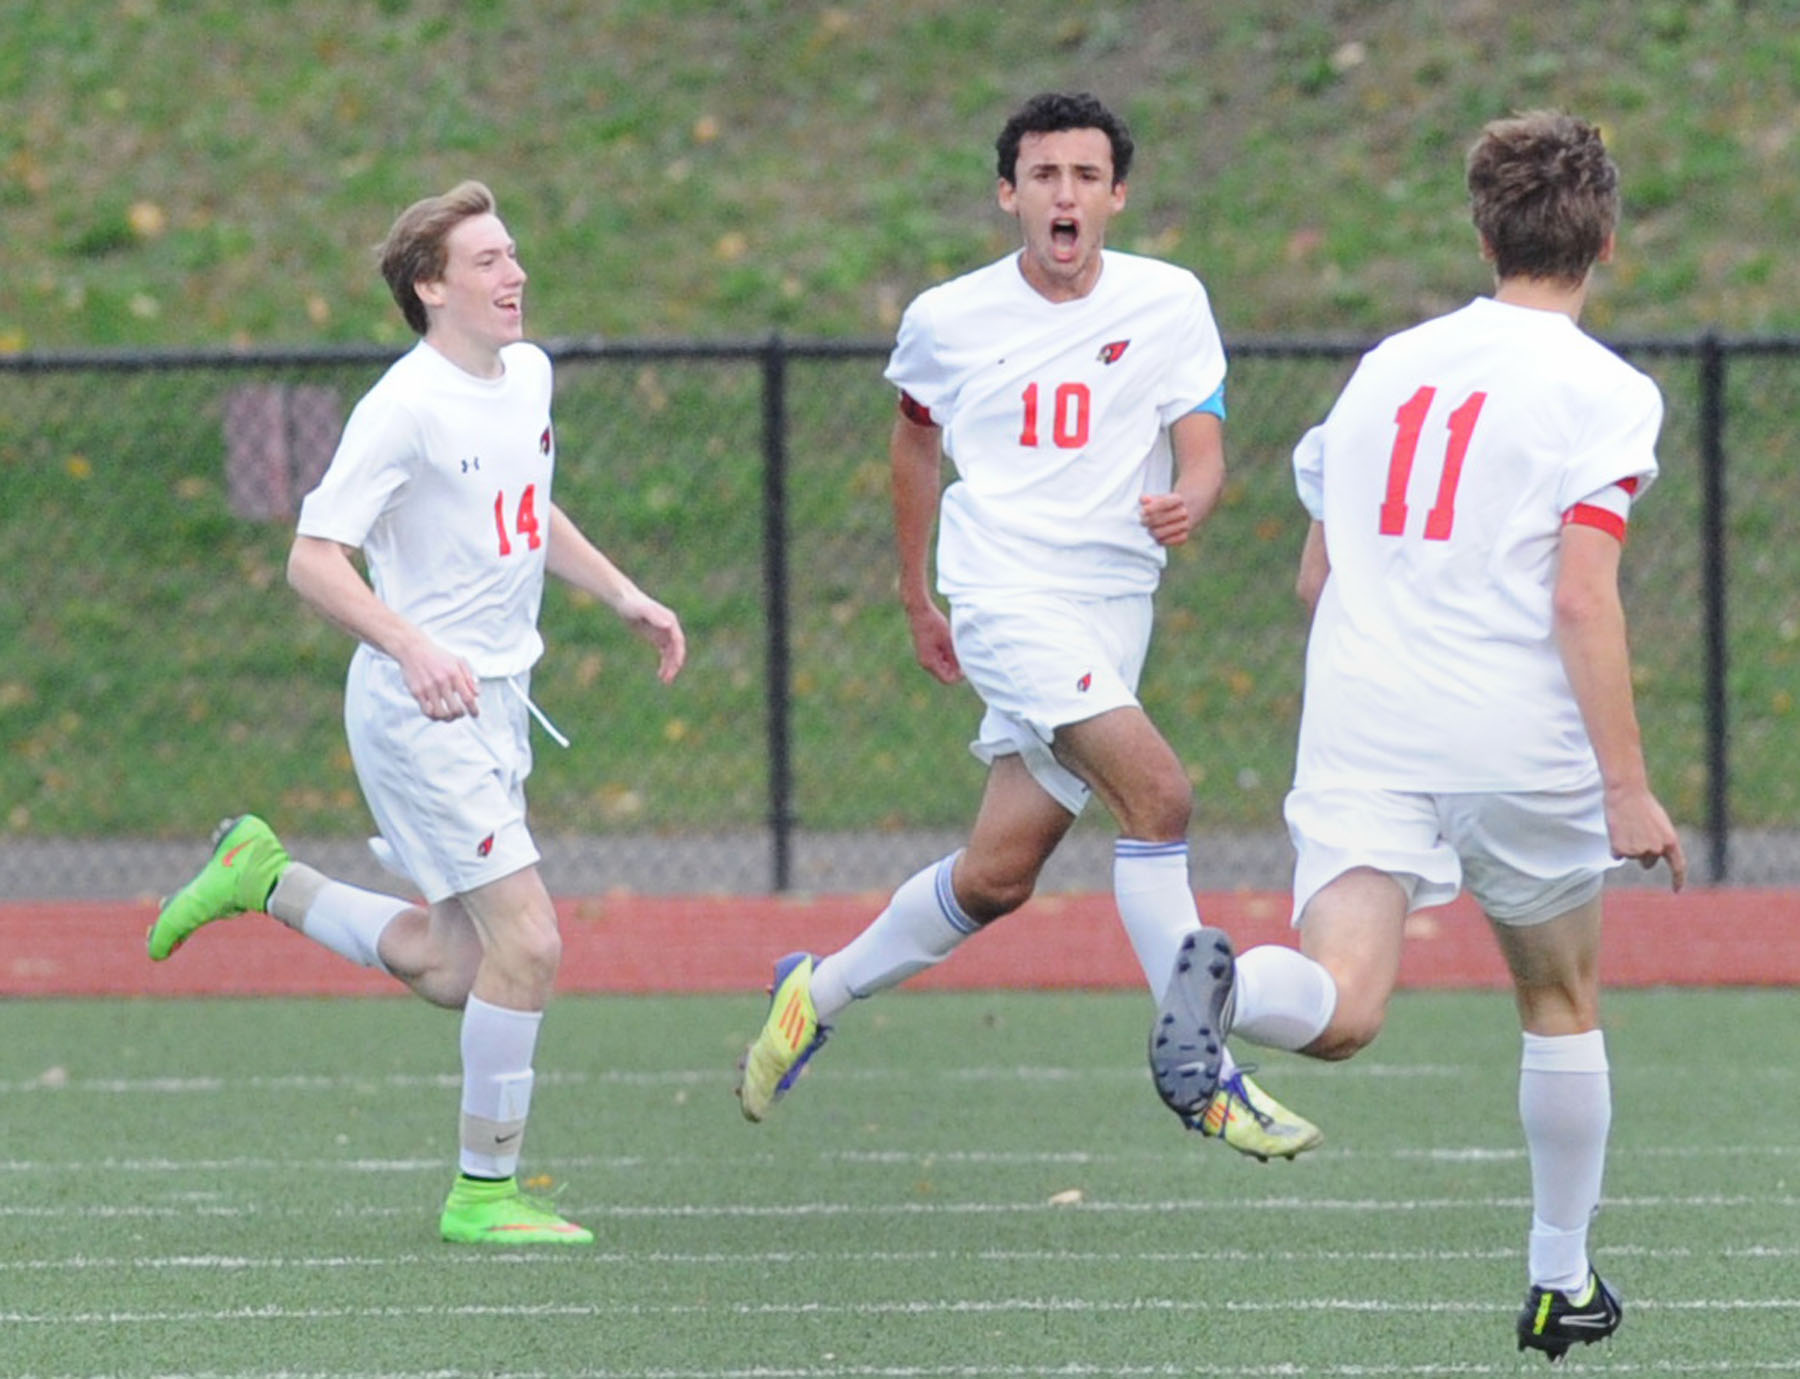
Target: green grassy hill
[[205, 174]]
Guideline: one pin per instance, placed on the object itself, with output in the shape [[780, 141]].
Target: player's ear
[[1607, 247], [1007, 195]]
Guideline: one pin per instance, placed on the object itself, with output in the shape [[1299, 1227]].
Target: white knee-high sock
[[1156, 904], [1565, 1104], [497, 1045], [346, 919], [1283, 998], [921, 926]]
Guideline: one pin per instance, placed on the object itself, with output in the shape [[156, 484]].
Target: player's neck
[[1060, 287], [471, 356], [1543, 294]]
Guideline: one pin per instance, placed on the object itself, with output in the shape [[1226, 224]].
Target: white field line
[[208, 1207], [736, 1259], [55, 1081], [875, 1158], [1186, 1370], [913, 1307]]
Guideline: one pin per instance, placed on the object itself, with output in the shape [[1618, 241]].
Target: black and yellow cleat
[[1552, 1320]]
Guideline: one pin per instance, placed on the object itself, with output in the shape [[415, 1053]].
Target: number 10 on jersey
[[1410, 419], [1070, 412]]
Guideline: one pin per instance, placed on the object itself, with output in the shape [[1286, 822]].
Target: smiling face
[[1063, 199], [478, 305]]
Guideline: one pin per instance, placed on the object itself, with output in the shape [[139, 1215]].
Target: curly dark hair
[[1544, 195], [1053, 111]]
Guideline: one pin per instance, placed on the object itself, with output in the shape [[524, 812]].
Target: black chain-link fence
[[158, 674]]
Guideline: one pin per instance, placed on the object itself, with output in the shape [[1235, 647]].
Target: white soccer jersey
[[1442, 475], [1056, 416], [443, 480]]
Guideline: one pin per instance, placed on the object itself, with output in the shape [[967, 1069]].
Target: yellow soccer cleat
[[790, 1036], [1252, 1122]]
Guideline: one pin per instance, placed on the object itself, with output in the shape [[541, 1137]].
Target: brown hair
[[1544, 195], [414, 248]]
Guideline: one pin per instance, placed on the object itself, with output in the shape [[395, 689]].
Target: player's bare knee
[[1159, 812], [986, 892], [1352, 1029], [997, 897], [530, 950], [1554, 1009]]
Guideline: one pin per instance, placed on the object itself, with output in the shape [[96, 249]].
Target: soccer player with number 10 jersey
[[1078, 392]]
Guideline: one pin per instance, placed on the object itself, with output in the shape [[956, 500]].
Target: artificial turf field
[[968, 1184]]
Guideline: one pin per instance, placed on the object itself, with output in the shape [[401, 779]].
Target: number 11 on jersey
[[1410, 419]]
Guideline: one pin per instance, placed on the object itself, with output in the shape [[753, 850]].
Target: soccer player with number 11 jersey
[[1468, 717]]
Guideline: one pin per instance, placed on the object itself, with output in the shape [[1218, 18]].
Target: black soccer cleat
[[1552, 1322], [1187, 1040]]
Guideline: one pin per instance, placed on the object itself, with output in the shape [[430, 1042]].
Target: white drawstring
[[538, 714]]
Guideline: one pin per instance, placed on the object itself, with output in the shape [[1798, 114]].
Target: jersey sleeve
[[1309, 472], [914, 366], [1618, 442], [377, 455], [1609, 510], [1198, 372]]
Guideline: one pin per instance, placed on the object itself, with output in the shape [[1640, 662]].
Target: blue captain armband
[[1215, 404]]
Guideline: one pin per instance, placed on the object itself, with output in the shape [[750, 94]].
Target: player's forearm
[[1198, 444], [575, 560], [1315, 567], [321, 573], [914, 452], [1590, 635]]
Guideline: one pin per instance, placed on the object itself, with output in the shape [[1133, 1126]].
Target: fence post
[[775, 609], [1713, 566]]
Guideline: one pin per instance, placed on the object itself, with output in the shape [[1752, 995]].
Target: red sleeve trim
[[1630, 485], [1587, 515], [915, 411]]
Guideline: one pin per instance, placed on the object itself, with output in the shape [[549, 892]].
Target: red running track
[[635, 943]]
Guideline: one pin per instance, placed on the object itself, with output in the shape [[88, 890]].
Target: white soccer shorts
[[1525, 856], [1040, 661], [448, 797]]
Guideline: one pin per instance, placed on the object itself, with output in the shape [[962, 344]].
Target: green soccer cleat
[[482, 1211], [1252, 1122], [790, 1036], [247, 861]]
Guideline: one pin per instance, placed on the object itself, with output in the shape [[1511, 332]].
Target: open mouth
[[1064, 234]]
